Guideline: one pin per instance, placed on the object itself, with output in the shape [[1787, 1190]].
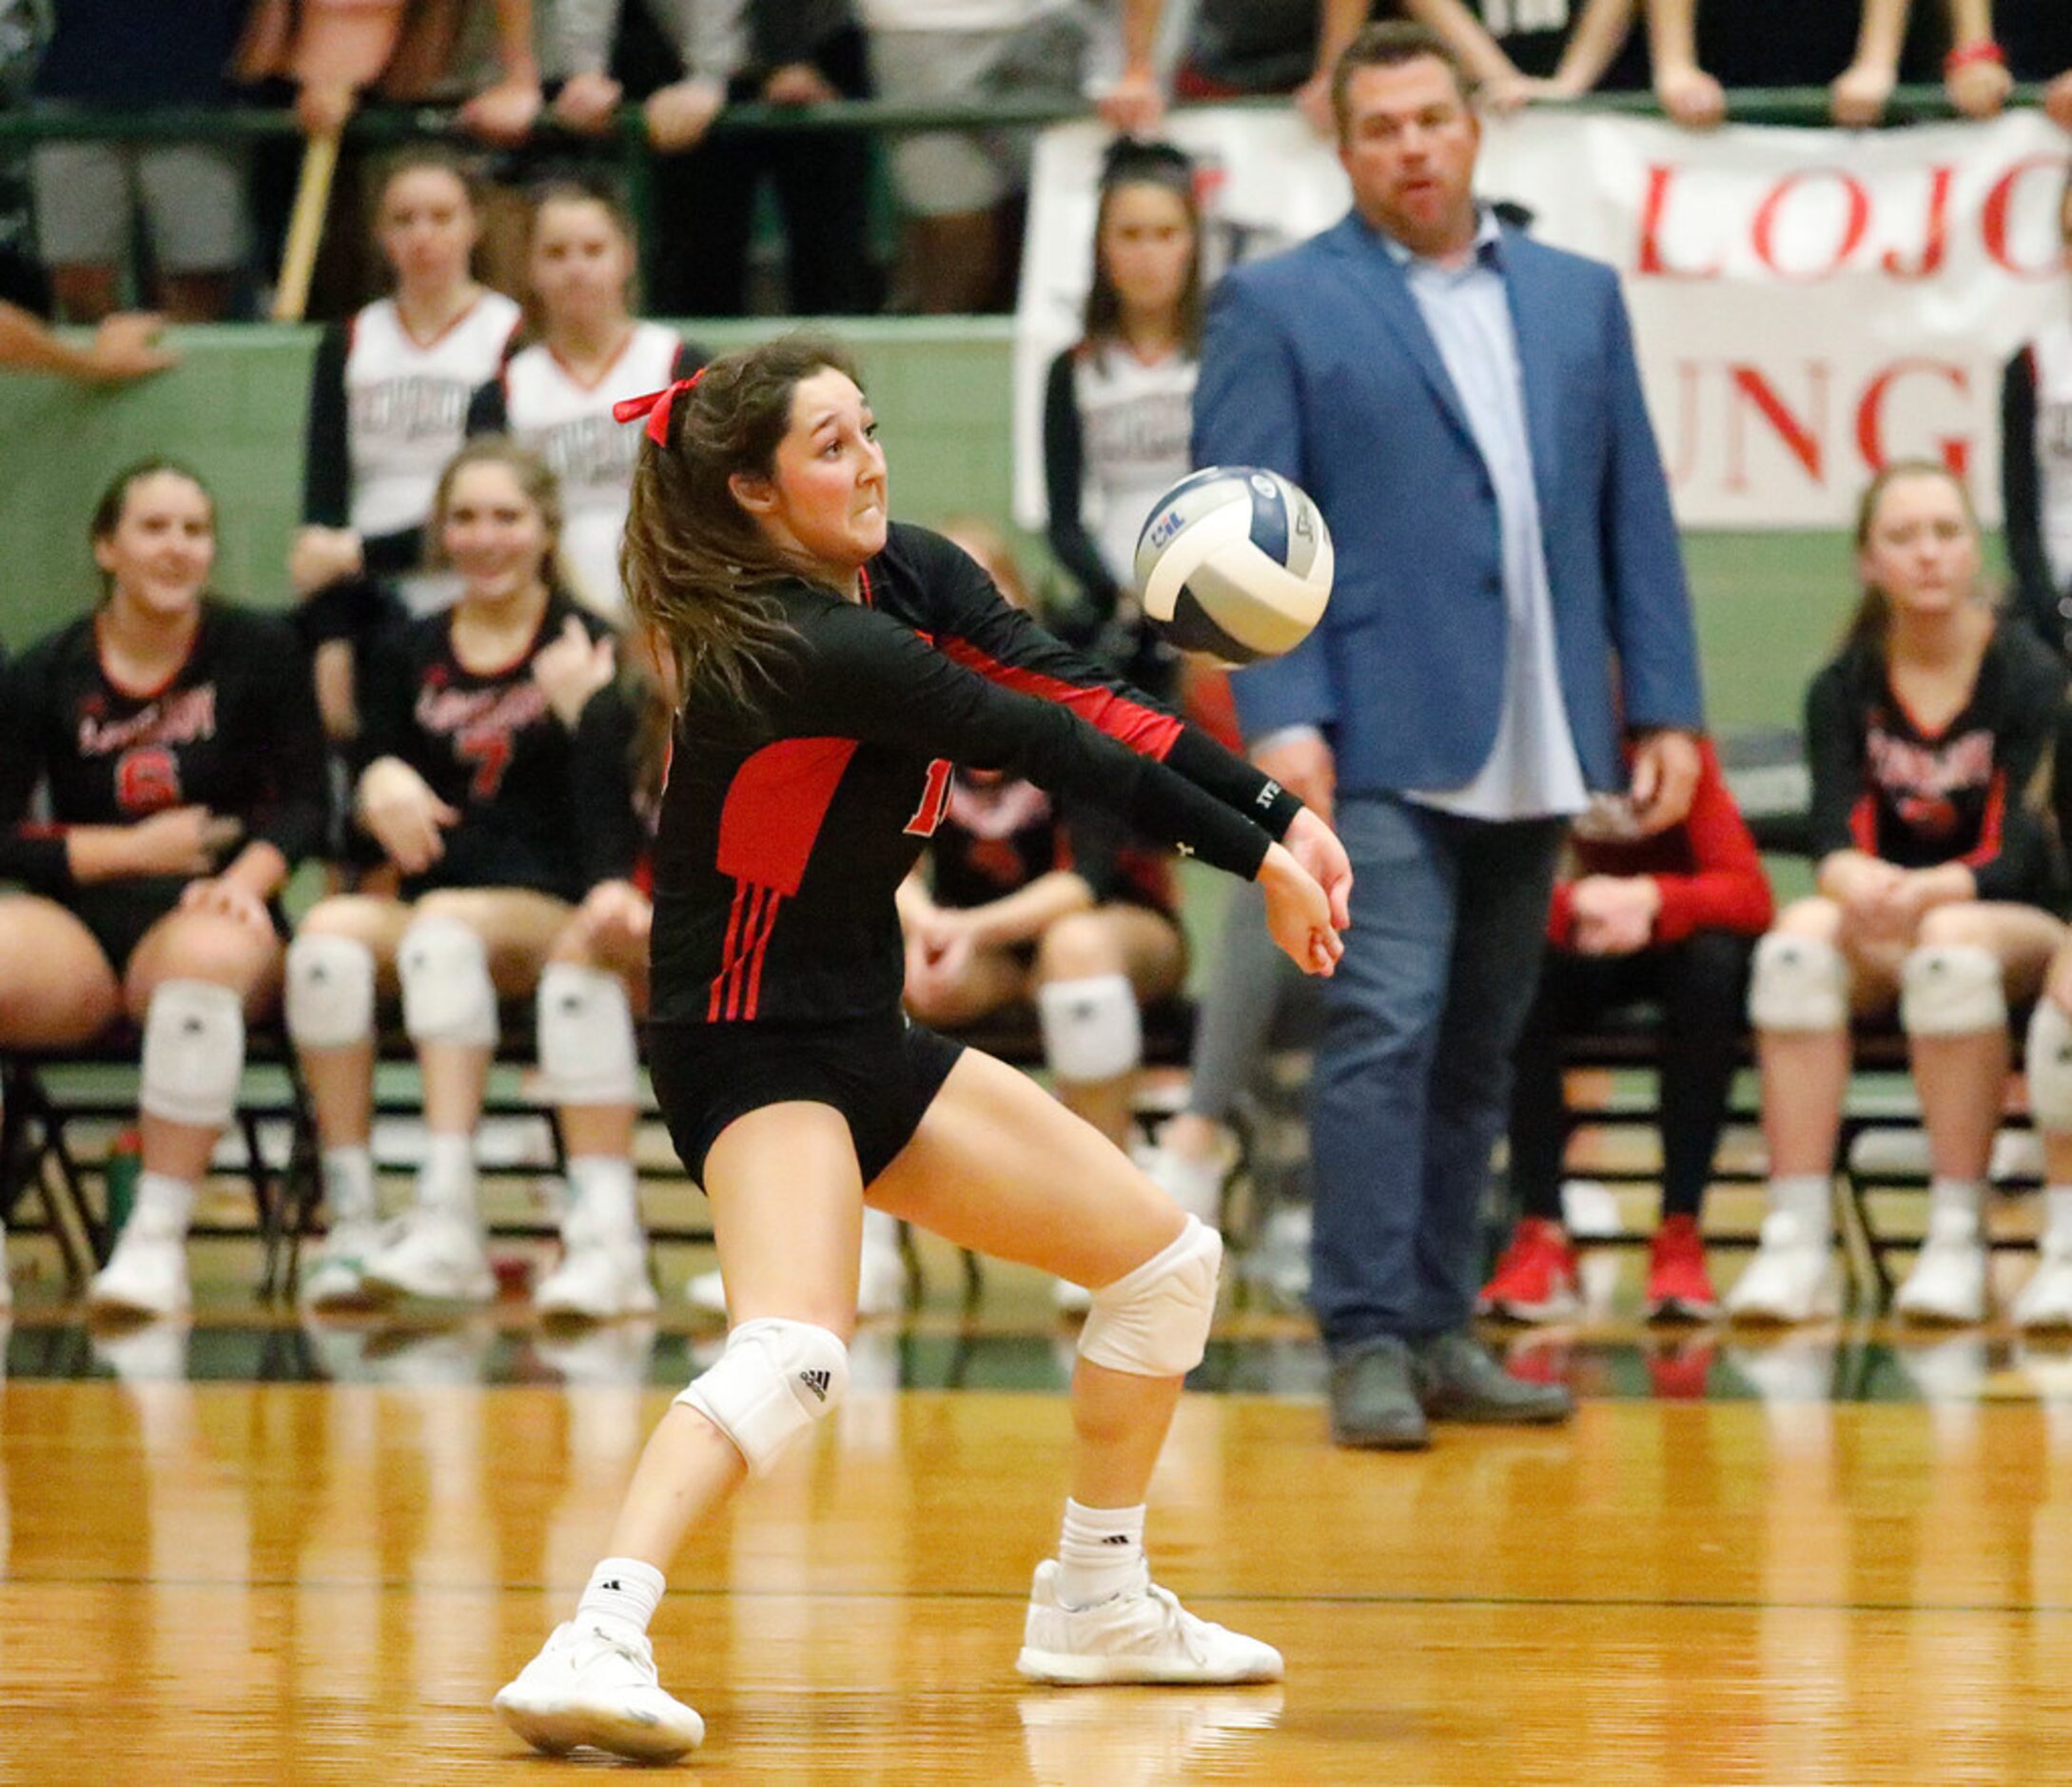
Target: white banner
[[1807, 304]]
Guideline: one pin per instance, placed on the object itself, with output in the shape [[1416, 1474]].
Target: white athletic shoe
[[880, 1283], [587, 1689], [597, 1281], [1196, 1185], [1948, 1284], [146, 1275], [336, 1278], [1142, 1635], [1793, 1277], [2045, 1301], [431, 1253]]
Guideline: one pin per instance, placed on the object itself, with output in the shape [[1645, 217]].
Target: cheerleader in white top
[[1118, 402], [388, 404], [555, 395]]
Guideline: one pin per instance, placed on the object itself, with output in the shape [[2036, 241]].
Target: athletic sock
[[447, 1180], [2058, 1211], [603, 1187], [1099, 1552], [1956, 1197], [621, 1598], [1809, 1196], [349, 1184], [171, 1201]]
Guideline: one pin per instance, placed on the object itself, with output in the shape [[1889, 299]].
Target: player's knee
[[193, 1053], [2048, 1063], [1951, 990], [776, 1378], [1091, 1028], [1077, 947], [447, 993], [1799, 984], [329, 997], [1154, 1322], [587, 1050]]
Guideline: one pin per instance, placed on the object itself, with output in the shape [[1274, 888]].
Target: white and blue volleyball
[[1235, 561]]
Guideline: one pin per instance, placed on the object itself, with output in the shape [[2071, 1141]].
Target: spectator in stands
[[135, 57], [1923, 736], [959, 192], [1026, 903], [1704, 49], [1518, 53], [555, 395], [1671, 921], [2036, 470], [388, 403], [1981, 47], [176, 738], [470, 744], [687, 65], [1118, 404]]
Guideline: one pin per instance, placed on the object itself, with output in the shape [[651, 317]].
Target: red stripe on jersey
[[726, 953], [1992, 825], [1864, 824], [761, 950], [774, 809], [1145, 729]]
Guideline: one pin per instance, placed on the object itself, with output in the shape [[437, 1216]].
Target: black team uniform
[[492, 748], [777, 964], [234, 730]]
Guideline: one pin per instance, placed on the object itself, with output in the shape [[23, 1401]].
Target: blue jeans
[[1412, 1078]]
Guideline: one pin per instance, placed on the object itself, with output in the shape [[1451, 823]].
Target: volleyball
[[1235, 561]]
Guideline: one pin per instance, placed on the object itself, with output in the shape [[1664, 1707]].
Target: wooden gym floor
[[254, 1551]]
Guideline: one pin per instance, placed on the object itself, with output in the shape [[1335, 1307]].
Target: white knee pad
[[1799, 984], [330, 991], [193, 1053], [1154, 1322], [776, 1378], [1093, 1030], [447, 994], [586, 1036], [1951, 990], [2050, 1063]]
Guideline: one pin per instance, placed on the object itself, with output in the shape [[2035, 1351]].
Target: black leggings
[[1701, 984]]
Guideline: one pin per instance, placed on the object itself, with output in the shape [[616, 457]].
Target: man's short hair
[[1386, 44]]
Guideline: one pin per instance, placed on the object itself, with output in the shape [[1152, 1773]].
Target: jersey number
[[147, 779], [488, 748], [934, 801]]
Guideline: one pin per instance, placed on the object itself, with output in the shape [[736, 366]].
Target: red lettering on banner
[[1993, 218], [1954, 451], [1650, 262], [1802, 440], [1764, 234], [1936, 232]]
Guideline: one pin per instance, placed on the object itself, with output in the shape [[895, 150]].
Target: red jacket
[[1708, 868]]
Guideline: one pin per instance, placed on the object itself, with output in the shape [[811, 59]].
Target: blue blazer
[[1318, 364]]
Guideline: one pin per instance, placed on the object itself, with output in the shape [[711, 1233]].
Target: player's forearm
[[1672, 35], [28, 344], [260, 869], [1970, 22], [1027, 912], [1881, 33], [1338, 24], [1595, 44], [1465, 35]]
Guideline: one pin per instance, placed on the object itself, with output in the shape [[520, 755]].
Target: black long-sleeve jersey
[[1884, 785], [234, 729], [787, 828], [491, 747], [999, 833]]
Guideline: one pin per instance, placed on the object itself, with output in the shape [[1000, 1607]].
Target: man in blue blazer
[[1464, 406]]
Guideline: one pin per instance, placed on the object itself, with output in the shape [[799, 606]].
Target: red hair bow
[[655, 406]]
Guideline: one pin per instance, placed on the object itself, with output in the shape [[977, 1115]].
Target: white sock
[[446, 1180], [1099, 1552], [171, 1201], [621, 1598], [2058, 1213], [1955, 1197], [603, 1184], [1809, 1196], [349, 1184]]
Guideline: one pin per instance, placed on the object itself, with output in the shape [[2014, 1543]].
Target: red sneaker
[[1536, 1278], [1679, 1288]]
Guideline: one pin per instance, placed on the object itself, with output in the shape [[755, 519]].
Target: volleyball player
[[470, 742], [388, 404], [834, 666], [555, 395], [177, 738]]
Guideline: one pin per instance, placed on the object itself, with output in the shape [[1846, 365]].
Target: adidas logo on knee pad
[[816, 1382]]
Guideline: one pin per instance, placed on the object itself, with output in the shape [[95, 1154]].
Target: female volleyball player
[[472, 736], [555, 395], [834, 666], [177, 737]]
